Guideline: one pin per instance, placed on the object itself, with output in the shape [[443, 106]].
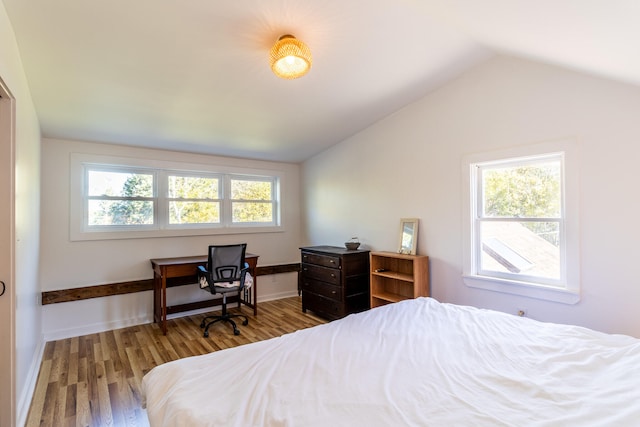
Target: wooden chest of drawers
[[334, 281]]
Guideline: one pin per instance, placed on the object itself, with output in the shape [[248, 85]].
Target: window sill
[[184, 232], [529, 290]]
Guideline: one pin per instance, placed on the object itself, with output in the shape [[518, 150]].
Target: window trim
[[79, 231], [478, 218], [568, 288]]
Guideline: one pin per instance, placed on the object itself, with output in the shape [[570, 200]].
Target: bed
[[417, 362]]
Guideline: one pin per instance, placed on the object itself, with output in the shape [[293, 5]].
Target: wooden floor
[[94, 380]]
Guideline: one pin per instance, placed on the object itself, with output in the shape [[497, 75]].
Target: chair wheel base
[[210, 320]]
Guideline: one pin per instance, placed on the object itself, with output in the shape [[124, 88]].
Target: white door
[[7, 306]]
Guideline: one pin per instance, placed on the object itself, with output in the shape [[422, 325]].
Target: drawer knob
[[332, 261], [334, 292], [333, 275]]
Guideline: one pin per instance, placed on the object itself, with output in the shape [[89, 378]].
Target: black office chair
[[225, 274]]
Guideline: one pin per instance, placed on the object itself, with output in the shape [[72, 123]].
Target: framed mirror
[[408, 236]]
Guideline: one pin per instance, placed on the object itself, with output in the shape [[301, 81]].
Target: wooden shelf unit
[[396, 277]]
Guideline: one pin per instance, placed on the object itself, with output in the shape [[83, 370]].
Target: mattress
[[414, 363]]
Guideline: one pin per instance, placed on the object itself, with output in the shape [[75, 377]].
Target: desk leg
[[163, 325], [160, 300], [157, 293]]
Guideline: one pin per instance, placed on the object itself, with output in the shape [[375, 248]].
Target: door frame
[[7, 255]]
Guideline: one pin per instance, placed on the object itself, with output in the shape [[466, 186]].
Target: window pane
[[526, 248], [524, 191], [120, 184], [190, 187], [120, 212], [252, 212], [250, 190], [194, 212]]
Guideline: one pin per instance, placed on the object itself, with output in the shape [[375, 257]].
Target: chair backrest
[[226, 262]]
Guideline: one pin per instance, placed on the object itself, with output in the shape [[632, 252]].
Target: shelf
[[393, 275], [388, 296]]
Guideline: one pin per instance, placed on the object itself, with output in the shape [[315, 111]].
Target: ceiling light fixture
[[290, 58]]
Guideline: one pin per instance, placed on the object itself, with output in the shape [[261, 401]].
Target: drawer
[[324, 260], [322, 288], [331, 309], [324, 274]]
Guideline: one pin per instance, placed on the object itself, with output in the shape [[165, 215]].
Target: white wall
[[409, 165], [69, 264], [27, 209]]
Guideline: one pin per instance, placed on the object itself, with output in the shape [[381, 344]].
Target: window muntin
[[119, 197], [519, 220], [252, 200]]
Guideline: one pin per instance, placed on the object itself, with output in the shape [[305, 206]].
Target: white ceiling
[[193, 75]]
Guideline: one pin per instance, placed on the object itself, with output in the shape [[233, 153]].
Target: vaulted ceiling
[[194, 75]]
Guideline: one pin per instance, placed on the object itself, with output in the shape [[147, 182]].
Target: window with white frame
[[127, 201], [251, 200], [119, 197], [520, 234], [193, 199]]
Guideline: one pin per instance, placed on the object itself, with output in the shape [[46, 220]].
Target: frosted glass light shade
[[290, 58]]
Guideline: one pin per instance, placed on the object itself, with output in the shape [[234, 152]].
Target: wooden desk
[[170, 272]]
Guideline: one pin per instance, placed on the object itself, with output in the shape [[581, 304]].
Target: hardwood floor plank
[[83, 408], [49, 405], [82, 370], [72, 367], [94, 380], [70, 404], [61, 405], [40, 393]]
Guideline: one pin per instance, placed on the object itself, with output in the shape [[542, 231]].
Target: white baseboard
[[279, 295], [24, 401], [123, 323], [95, 328]]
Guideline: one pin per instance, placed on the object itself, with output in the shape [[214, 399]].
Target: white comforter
[[415, 363]]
